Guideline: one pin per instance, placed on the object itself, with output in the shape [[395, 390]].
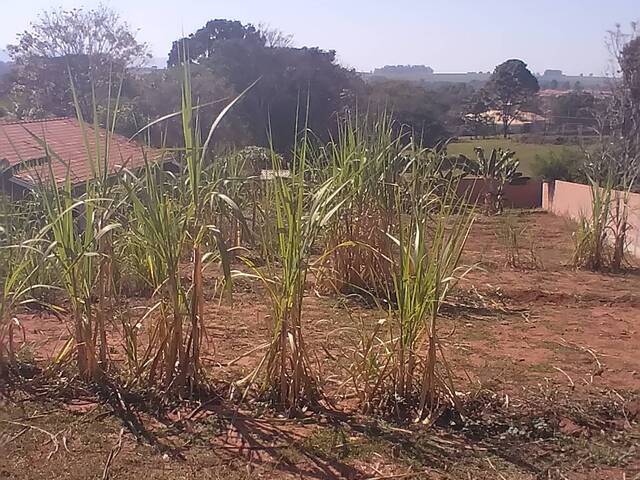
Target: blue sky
[[449, 35]]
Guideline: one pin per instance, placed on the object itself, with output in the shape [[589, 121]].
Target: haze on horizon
[[449, 37]]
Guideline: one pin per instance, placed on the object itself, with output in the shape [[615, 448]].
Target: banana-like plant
[[501, 165], [497, 170]]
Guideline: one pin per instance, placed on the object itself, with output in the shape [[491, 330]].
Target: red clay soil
[[546, 358]]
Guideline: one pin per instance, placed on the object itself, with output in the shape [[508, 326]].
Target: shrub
[[600, 240], [518, 244], [567, 165]]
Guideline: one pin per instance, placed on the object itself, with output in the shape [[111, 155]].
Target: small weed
[[343, 444], [519, 246], [604, 454], [600, 239], [330, 442], [26, 355]]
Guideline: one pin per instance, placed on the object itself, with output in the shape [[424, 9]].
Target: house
[[521, 122], [520, 119], [72, 151]]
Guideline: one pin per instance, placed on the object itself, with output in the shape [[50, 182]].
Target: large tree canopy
[[289, 77], [630, 66], [204, 43], [158, 93], [574, 108], [91, 47], [416, 110], [475, 117], [511, 86], [94, 32]]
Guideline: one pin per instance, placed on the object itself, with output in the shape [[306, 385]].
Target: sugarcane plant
[[400, 368], [296, 210], [79, 225], [365, 155], [430, 241], [22, 257], [592, 236], [170, 222]]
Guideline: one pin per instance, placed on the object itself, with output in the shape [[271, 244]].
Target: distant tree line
[[87, 57], [90, 58], [5, 68]]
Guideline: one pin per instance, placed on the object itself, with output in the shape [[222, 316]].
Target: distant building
[[553, 79], [142, 71], [553, 74], [521, 119], [404, 70]]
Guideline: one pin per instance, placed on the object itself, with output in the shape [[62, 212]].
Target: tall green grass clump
[[600, 240], [296, 210], [401, 369], [170, 223], [366, 157]]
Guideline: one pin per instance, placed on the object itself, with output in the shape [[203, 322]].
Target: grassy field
[[526, 152]]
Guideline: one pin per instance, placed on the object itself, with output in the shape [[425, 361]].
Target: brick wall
[[527, 195]]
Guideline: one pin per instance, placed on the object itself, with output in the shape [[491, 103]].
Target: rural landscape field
[[250, 261], [543, 375]]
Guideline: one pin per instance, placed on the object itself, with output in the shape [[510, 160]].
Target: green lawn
[[525, 152]]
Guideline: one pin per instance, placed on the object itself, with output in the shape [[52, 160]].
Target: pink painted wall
[[573, 200]]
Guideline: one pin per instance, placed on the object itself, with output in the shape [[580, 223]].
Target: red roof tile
[[69, 154]]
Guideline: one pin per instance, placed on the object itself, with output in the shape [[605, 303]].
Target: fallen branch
[[52, 438], [571, 383]]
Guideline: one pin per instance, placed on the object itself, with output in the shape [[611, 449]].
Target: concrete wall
[[573, 200], [527, 195]]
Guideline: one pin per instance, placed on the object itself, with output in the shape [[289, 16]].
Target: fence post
[[548, 188]]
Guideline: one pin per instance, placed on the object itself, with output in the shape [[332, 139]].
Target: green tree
[[205, 42], [157, 94], [511, 86], [415, 109], [289, 78], [575, 108], [94, 46], [475, 115]]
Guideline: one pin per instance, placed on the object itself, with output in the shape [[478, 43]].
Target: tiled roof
[[69, 154]]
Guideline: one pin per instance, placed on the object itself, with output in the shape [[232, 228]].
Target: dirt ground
[[546, 360]]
